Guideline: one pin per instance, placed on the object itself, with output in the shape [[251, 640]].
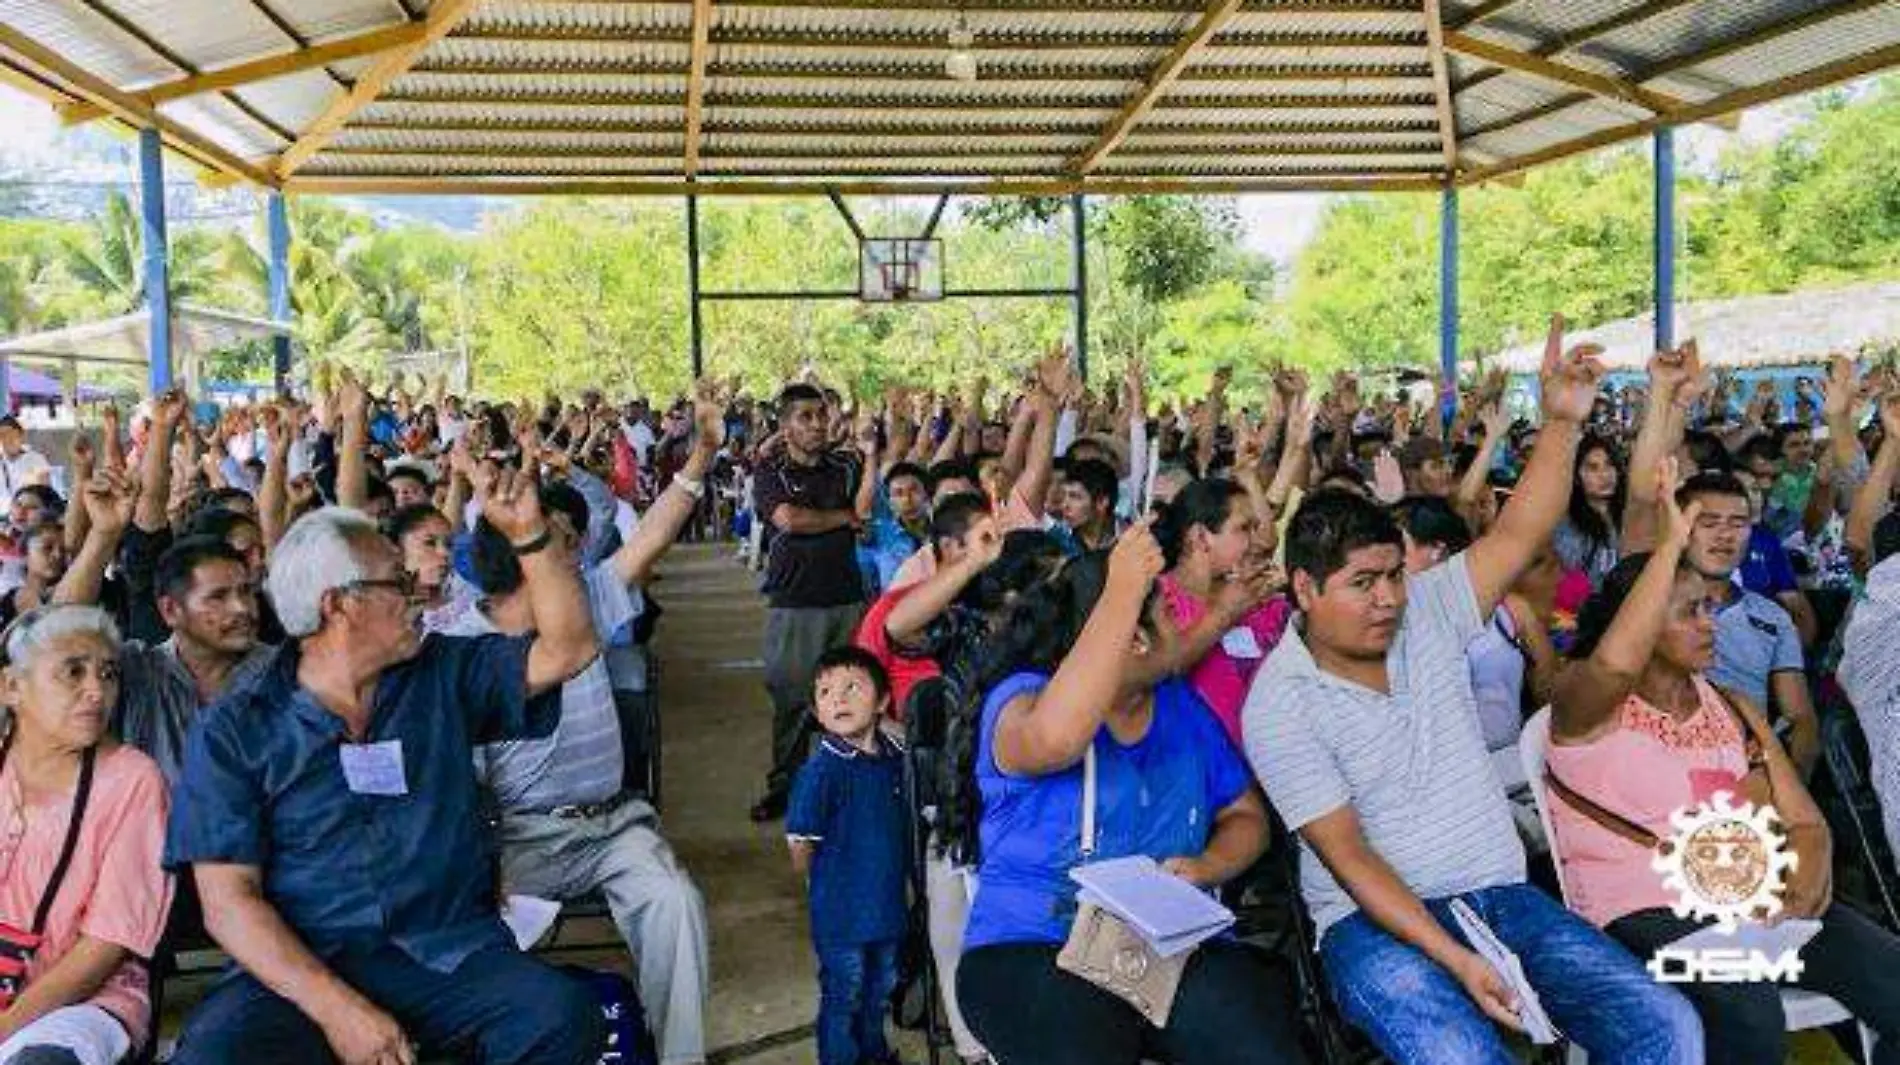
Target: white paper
[[1239, 642], [1772, 940], [1168, 913], [529, 918], [1530, 1009], [374, 768]]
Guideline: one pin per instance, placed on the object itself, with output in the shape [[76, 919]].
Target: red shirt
[[905, 671]]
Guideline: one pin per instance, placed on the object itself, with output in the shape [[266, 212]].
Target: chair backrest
[[1533, 748], [1845, 748]]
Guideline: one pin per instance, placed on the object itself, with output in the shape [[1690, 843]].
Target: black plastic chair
[[926, 714], [1844, 747]]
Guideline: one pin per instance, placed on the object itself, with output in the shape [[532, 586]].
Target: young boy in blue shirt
[[847, 833]]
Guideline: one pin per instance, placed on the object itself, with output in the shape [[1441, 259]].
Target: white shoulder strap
[[1088, 802]]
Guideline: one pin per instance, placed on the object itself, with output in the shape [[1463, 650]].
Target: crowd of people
[[326, 682]]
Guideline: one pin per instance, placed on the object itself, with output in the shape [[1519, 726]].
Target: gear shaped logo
[[1725, 861]]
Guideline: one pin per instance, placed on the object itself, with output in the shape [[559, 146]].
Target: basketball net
[[900, 275]]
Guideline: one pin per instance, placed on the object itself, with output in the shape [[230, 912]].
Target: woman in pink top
[[1222, 591], [73, 987], [1638, 734]]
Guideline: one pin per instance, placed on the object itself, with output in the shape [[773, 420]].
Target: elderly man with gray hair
[[329, 812]]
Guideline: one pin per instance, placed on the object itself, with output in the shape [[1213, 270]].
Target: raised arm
[[77, 520], [273, 494], [1569, 386], [256, 936], [1875, 496], [564, 638], [155, 464], [1049, 731], [1476, 482], [108, 498], [1584, 703], [1674, 379], [352, 446], [660, 525], [905, 625], [111, 442]]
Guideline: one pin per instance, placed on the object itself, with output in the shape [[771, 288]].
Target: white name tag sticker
[[374, 768], [1240, 643]]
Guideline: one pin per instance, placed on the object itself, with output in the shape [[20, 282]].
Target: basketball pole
[[1079, 272], [697, 325]]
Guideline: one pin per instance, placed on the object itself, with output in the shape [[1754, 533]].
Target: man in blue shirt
[[329, 813]]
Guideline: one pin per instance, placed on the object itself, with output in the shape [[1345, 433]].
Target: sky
[[1275, 224]]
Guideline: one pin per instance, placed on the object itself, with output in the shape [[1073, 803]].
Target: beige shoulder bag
[[1103, 950]]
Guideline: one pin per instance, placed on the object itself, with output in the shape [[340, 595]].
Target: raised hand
[[709, 419], [513, 505], [82, 456], [1496, 420], [1135, 561], [110, 498], [1677, 521], [1569, 379], [1675, 375], [1388, 478]]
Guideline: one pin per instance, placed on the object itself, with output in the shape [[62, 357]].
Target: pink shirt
[[1647, 769], [114, 891], [1016, 515], [1222, 677]]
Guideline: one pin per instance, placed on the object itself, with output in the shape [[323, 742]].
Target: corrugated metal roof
[[1317, 90]]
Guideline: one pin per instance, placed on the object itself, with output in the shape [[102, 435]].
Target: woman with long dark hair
[[1222, 591], [1639, 737], [1587, 539], [1060, 688]]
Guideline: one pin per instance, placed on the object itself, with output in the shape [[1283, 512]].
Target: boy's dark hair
[[379, 489], [850, 656], [1203, 503], [223, 497], [1710, 483], [798, 392], [497, 568], [1097, 478], [949, 470], [413, 473], [953, 515], [407, 519], [1708, 451], [908, 469], [48, 498], [179, 564], [1431, 520], [1329, 526], [1763, 446], [218, 523]]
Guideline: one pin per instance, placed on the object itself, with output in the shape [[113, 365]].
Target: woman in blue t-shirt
[[1071, 666]]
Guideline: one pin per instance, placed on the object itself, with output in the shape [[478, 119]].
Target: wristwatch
[[532, 544]]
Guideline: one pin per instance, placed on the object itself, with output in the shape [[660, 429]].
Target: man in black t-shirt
[[815, 499]]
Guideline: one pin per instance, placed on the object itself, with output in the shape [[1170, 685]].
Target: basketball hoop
[[900, 269]]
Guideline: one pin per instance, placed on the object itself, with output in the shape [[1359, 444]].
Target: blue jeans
[[1595, 991], [500, 1006], [854, 987]]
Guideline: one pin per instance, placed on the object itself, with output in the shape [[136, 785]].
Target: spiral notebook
[[1170, 914]]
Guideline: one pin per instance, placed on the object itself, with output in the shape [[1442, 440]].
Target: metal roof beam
[[822, 102], [911, 73], [1032, 7], [443, 17], [696, 82], [1441, 85], [1009, 41], [1480, 13], [1584, 35], [1538, 67], [373, 42], [349, 186], [999, 124], [849, 152], [128, 109], [1742, 99]]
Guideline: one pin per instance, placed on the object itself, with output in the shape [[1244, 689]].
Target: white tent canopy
[[124, 340], [1778, 330]]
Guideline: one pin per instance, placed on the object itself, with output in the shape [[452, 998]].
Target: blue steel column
[[1448, 302], [1079, 271], [279, 226], [158, 297], [1665, 239]]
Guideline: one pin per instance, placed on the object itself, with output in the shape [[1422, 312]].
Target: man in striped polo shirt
[[1364, 731]]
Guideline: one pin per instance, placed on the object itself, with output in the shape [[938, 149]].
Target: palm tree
[[109, 260]]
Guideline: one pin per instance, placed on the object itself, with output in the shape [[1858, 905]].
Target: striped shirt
[[1411, 764], [582, 761], [1870, 674]]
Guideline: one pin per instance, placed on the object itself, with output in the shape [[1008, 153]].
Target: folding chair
[[1845, 748], [926, 718], [1804, 1009]]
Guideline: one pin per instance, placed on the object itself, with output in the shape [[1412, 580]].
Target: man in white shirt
[[20, 465]]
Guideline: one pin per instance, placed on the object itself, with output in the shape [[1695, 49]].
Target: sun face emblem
[[1725, 862]]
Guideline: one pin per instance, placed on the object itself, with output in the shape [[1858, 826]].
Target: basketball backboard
[[900, 269]]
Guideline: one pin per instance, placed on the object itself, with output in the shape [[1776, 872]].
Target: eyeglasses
[[403, 584]]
